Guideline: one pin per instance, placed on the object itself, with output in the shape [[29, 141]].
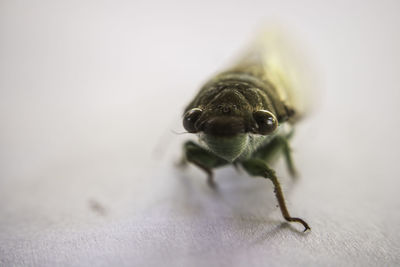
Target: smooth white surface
[[88, 89]]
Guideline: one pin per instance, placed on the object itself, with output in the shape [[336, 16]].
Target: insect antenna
[[178, 133]]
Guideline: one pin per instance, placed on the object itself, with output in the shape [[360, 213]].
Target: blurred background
[[89, 94]]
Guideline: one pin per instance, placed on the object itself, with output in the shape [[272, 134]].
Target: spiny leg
[[203, 159], [257, 167]]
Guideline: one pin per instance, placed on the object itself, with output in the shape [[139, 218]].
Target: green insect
[[245, 115]]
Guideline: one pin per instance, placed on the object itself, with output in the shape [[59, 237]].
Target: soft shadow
[[280, 230]]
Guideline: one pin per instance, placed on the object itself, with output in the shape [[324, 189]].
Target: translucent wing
[[277, 60]]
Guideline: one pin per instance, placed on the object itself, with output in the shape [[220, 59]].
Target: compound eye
[[266, 121], [190, 118]]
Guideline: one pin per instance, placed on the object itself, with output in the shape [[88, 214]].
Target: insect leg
[[287, 152], [278, 144], [257, 167], [203, 159]]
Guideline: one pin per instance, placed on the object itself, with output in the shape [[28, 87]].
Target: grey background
[[89, 91]]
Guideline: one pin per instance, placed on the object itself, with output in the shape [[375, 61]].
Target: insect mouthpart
[[224, 126]]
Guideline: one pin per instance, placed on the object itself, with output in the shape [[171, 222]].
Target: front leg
[[203, 159], [257, 167], [279, 144]]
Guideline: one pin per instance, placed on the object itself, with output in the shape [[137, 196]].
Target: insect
[[245, 115]]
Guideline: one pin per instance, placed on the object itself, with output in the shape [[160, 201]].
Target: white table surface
[[89, 90]]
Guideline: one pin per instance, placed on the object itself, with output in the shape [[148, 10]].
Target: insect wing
[[279, 61]]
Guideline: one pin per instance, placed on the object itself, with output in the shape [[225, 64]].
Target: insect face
[[226, 121], [229, 113]]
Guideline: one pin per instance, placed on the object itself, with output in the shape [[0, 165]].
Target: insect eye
[[266, 121], [190, 118]]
